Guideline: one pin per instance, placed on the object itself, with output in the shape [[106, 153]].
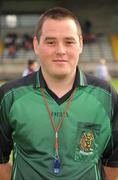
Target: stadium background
[[99, 20]]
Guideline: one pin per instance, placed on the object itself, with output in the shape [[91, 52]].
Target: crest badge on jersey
[[87, 143]]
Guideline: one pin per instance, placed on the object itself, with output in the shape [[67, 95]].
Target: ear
[[36, 45], [81, 43]]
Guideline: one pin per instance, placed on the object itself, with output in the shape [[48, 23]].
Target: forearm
[[112, 173], [5, 171]]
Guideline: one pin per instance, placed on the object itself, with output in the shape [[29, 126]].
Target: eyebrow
[[49, 38], [70, 38], [54, 38]]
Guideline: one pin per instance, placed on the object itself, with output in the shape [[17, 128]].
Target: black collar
[[44, 84], [80, 80]]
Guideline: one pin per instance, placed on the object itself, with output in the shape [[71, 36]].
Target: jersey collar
[[80, 79]]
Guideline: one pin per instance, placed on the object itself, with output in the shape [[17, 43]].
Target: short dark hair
[[31, 61], [57, 13]]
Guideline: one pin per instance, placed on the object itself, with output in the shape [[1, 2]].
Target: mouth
[[60, 60]]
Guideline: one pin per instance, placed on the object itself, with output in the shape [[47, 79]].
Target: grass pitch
[[114, 82]]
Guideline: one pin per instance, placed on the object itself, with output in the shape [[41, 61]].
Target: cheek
[[74, 53], [45, 55], [46, 51]]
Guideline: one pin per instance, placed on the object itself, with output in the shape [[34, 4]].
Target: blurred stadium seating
[[17, 23]]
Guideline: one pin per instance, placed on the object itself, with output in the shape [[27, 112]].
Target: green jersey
[[86, 137]]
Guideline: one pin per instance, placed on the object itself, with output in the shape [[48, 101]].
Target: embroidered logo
[[86, 143]]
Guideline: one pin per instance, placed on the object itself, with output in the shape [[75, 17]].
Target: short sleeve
[[110, 155], [5, 131]]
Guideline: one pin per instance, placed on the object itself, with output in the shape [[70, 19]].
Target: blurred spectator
[[12, 52], [27, 42], [89, 38], [19, 42], [87, 26], [10, 39], [32, 67], [102, 70], [88, 35], [17, 45]]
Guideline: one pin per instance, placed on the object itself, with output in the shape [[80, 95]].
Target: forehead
[[59, 26]]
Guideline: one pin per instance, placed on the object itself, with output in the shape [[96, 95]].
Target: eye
[[70, 42], [50, 42]]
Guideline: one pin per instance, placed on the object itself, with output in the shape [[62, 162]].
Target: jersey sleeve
[[5, 131], [110, 155]]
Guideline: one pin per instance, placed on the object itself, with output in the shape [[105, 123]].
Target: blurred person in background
[[32, 66], [12, 52], [61, 123], [102, 70]]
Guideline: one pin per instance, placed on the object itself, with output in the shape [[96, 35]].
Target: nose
[[61, 49]]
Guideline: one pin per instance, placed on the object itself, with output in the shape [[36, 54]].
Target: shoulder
[[15, 84], [97, 82], [103, 85], [25, 72]]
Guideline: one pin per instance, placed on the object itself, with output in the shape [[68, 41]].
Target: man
[[61, 123], [102, 70], [32, 67]]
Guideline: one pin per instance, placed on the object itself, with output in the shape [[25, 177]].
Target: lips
[[60, 60]]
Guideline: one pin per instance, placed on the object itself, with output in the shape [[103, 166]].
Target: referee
[[61, 123]]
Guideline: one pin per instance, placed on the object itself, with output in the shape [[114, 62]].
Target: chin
[[60, 75]]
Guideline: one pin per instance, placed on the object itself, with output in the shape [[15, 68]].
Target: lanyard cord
[[56, 129]]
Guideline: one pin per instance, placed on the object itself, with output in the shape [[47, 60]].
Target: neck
[[60, 86]]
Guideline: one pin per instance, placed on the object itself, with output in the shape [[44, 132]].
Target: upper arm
[[5, 131], [110, 156]]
